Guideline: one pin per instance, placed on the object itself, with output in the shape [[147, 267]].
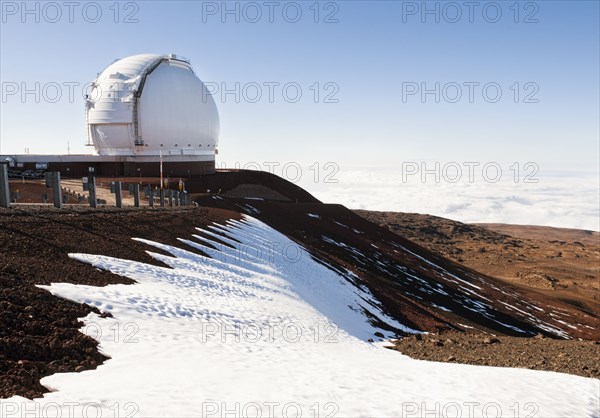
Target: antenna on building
[[88, 105]]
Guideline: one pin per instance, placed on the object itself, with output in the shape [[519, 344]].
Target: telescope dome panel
[[150, 104]]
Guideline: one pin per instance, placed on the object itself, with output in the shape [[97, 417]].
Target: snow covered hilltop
[[256, 305]]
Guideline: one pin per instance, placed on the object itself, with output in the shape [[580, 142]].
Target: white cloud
[[568, 199]]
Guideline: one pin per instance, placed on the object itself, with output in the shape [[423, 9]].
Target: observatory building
[[140, 110]]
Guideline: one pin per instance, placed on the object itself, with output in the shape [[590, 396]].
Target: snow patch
[[261, 330]]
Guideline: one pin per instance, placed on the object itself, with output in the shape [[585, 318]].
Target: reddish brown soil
[[398, 272], [228, 180], [574, 357], [562, 263], [30, 191], [38, 332]]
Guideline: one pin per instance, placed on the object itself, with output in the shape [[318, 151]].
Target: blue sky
[[366, 57]]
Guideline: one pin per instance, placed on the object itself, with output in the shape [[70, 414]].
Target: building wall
[[127, 169]]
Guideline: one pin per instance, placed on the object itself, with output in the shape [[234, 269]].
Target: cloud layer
[[569, 199]]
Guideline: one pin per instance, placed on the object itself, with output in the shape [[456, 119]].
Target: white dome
[[145, 104]]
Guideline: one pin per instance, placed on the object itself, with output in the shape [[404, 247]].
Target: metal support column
[[4, 193], [136, 195], [92, 186], [118, 194], [56, 190]]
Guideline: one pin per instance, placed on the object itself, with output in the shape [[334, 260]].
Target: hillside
[[370, 282], [559, 262], [38, 332]]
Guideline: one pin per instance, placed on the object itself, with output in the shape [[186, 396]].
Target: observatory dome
[[146, 105]]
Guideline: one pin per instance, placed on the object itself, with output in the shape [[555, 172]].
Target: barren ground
[[564, 263], [565, 356], [39, 333]]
